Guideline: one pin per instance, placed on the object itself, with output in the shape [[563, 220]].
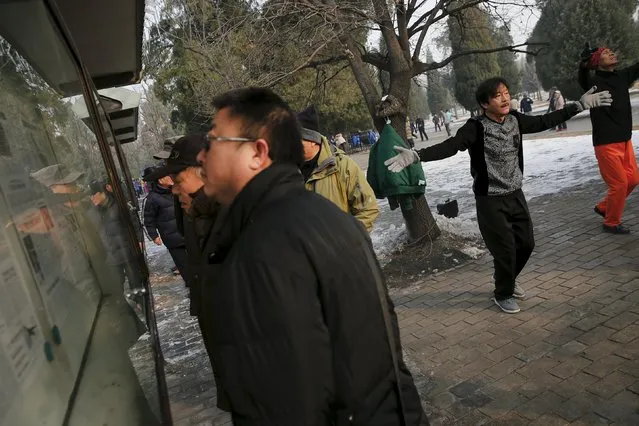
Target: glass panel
[[65, 255]]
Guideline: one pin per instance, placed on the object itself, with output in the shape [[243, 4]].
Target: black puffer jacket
[[113, 231], [297, 325], [201, 230], [159, 217]]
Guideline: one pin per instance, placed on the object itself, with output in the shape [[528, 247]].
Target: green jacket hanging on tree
[[400, 188]]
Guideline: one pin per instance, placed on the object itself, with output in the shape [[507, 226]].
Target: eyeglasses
[[210, 139]]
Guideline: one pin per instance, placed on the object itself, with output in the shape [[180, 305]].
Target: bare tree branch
[[421, 67]]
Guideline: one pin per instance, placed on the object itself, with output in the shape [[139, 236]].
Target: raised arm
[[583, 77], [632, 73]]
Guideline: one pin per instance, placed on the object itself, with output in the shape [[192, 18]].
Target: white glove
[[403, 159], [590, 99]]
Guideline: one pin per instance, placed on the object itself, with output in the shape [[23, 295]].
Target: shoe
[[617, 229], [518, 292], [599, 212], [509, 305]]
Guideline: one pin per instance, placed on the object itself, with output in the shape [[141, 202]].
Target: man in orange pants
[[612, 131]]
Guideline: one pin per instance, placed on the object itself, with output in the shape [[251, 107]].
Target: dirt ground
[[409, 264]]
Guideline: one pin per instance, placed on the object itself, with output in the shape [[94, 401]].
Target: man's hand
[[158, 241], [590, 99], [403, 159]]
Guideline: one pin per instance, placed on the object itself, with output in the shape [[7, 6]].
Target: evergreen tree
[[418, 102], [508, 61], [470, 29], [437, 93], [529, 80], [568, 24]]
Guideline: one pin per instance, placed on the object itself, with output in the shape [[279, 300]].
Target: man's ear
[[260, 159]]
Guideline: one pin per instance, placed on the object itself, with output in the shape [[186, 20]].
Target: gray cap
[[166, 148], [56, 174]]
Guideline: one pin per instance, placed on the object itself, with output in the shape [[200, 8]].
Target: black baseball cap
[[97, 186], [183, 155], [167, 146]]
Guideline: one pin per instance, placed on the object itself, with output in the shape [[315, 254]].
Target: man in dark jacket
[[612, 132], [159, 221], [494, 142], [299, 307], [199, 219], [421, 126], [526, 104]]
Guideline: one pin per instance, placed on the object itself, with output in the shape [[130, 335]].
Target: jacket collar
[[601, 73], [327, 162], [270, 185]]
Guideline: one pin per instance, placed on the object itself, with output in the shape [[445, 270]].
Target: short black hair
[[266, 115], [488, 88]]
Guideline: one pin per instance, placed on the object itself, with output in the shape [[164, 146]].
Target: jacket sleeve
[[539, 123], [465, 137], [632, 73], [361, 197], [150, 217], [583, 77]]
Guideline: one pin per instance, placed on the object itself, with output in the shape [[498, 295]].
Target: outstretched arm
[[632, 73], [590, 99], [465, 137], [539, 123]]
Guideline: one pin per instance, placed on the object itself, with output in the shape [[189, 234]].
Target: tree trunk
[[421, 226], [420, 223]]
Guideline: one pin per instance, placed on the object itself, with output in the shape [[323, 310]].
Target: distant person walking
[[421, 126], [560, 102], [446, 118], [436, 122]]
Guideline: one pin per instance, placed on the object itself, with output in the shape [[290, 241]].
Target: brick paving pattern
[[570, 357], [188, 371]]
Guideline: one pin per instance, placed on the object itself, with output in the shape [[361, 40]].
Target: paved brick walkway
[[570, 356]]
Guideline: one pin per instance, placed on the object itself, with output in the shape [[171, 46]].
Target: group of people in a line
[[289, 295]]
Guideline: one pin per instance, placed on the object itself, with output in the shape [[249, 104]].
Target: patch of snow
[[387, 239], [463, 226], [472, 251]]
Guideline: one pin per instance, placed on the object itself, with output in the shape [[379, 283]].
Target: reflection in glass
[[64, 254]]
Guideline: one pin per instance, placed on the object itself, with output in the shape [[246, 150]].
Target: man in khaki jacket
[[328, 171]]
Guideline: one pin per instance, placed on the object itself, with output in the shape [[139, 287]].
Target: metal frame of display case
[[88, 90]]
